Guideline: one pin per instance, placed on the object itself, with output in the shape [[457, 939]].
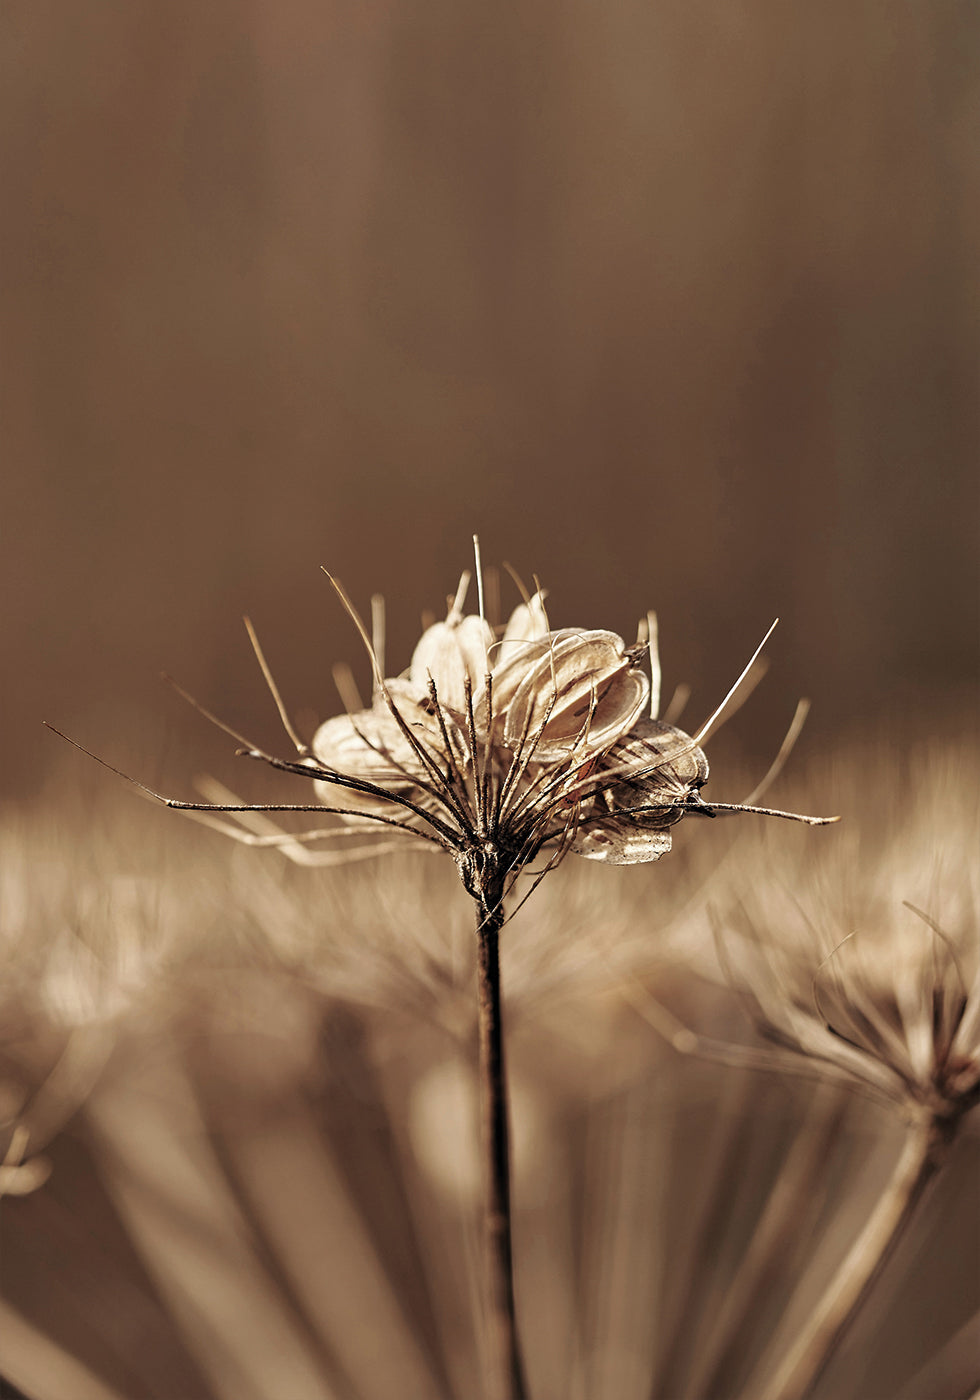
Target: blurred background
[[673, 302]]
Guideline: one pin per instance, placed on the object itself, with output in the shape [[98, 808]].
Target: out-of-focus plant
[[268, 1181]]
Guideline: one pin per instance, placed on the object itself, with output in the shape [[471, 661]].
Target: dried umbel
[[894, 1008], [491, 746], [495, 745], [857, 986], [494, 748]]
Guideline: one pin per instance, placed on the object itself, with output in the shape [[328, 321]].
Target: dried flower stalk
[[494, 748], [924, 1153]]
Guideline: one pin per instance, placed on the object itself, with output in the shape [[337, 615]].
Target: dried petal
[[639, 811], [669, 767], [592, 683], [368, 745], [451, 652], [619, 842], [527, 623]]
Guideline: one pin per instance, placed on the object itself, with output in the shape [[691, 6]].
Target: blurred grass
[[263, 1175]]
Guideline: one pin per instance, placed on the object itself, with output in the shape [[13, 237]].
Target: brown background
[[671, 301]]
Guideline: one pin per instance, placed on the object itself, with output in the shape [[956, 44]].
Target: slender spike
[[350, 696], [571, 786], [488, 765], [358, 622], [283, 840], [477, 776], [519, 583], [545, 792], [260, 826], [378, 629], [582, 737], [445, 836], [653, 642], [301, 748], [706, 728], [371, 789], [561, 851], [194, 704], [551, 646], [457, 603], [212, 791], [678, 701], [785, 749], [419, 749], [710, 809], [478, 563], [528, 803], [513, 775], [452, 769], [491, 582], [524, 752], [157, 796]]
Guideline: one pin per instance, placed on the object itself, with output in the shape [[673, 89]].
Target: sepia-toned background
[[673, 302]]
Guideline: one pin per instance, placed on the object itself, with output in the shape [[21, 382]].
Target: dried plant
[[890, 1004], [863, 989], [270, 1182], [496, 748], [258, 1085]]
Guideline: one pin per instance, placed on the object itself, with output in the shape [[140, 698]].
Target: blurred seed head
[[866, 955]]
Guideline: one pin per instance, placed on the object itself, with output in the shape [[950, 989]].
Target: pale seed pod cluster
[[518, 739]]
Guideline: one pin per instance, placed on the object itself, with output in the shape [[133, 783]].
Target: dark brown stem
[[506, 1369]]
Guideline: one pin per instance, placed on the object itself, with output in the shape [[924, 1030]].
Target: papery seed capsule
[[662, 772], [453, 653], [528, 623], [593, 685], [668, 766], [620, 842], [368, 746]]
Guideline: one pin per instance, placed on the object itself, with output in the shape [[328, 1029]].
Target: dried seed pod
[[662, 774], [620, 842], [590, 681], [370, 746], [527, 623], [662, 768], [453, 653]]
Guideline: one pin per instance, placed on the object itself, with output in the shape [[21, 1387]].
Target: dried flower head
[[895, 1010], [493, 745], [493, 748], [871, 965]]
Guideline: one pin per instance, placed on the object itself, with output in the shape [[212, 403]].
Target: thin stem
[[506, 1379], [793, 1202], [925, 1151]]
